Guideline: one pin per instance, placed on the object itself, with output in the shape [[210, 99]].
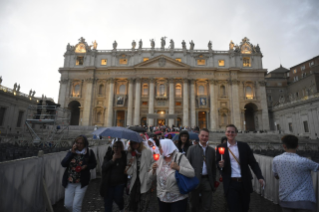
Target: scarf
[[168, 147]]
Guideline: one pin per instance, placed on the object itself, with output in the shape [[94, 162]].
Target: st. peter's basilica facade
[[165, 85]]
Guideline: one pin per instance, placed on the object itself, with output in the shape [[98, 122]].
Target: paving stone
[[93, 202]]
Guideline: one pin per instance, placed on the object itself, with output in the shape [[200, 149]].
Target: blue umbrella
[[119, 132], [192, 136]]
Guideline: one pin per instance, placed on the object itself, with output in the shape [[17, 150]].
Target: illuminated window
[[103, 62], [145, 90], [145, 59], [123, 61], [249, 93], [178, 90], [295, 71], [101, 88], [161, 89], [201, 62], [246, 62], [178, 59], [221, 62], [178, 103], [122, 89], [76, 92], [79, 61], [144, 103], [201, 90]]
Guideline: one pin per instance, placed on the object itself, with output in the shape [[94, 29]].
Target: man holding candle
[[202, 158], [235, 171]]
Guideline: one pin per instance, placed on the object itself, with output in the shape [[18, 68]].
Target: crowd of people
[[131, 167]]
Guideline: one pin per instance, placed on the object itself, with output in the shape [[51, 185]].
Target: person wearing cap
[[78, 163], [113, 176], [139, 161], [169, 197]]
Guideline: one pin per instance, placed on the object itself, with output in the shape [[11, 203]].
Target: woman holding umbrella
[[183, 142], [139, 161]]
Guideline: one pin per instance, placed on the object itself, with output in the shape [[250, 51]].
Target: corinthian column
[[130, 103], [63, 92], [87, 102], [171, 101], [212, 105], [193, 108], [110, 103], [137, 102], [185, 103], [151, 102], [235, 103]]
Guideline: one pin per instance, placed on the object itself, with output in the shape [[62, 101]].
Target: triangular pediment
[[162, 62]]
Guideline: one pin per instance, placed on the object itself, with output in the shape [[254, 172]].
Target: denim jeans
[[73, 197], [114, 193]]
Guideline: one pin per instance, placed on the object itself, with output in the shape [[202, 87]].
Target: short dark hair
[[290, 141], [232, 125], [82, 138], [204, 129], [223, 139]]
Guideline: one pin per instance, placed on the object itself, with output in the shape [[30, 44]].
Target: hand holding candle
[[221, 151], [156, 157]]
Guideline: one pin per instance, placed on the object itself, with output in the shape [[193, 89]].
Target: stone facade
[[166, 85], [293, 99]]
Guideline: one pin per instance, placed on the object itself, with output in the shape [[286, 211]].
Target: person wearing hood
[[150, 143], [113, 176], [169, 197], [139, 161], [183, 142], [78, 162]]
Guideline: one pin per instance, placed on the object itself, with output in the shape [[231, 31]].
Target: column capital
[[185, 80], [110, 80], [213, 82], [152, 80], [262, 83], [138, 80], [192, 81], [131, 80], [64, 81], [89, 80], [171, 80]]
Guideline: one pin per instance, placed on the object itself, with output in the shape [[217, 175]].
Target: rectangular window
[[303, 67], [104, 62], [178, 103], [305, 125], [201, 62], [287, 74], [123, 61], [144, 103], [145, 59], [295, 71], [221, 62], [2, 113], [311, 63], [20, 118], [79, 61], [178, 59], [290, 127], [246, 62]]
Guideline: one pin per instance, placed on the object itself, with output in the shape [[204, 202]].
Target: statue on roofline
[[133, 44], [152, 43], [163, 42], [30, 92], [33, 93], [94, 44], [231, 45], [210, 45], [257, 48], [192, 45], [14, 86], [0, 80], [18, 89], [114, 45], [172, 45], [140, 44], [184, 45]]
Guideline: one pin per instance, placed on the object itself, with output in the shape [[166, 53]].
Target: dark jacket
[[89, 160], [186, 147], [246, 157], [195, 157], [107, 166]]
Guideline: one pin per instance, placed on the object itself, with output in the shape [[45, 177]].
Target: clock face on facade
[[246, 49], [80, 48]]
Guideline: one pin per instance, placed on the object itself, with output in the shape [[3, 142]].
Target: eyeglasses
[[231, 132]]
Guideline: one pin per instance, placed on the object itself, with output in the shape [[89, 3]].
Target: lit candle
[[221, 152], [156, 156], [153, 147]]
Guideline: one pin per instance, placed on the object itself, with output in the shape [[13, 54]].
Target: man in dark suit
[[235, 171], [202, 158]]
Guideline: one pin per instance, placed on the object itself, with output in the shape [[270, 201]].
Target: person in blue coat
[[78, 162]]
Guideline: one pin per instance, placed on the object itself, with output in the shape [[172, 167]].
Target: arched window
[[101, 88], [145, 90], [161, 89], [201, 90], [222, 90], [99, 117], [178, 90], [249, 93], [122, 89], [224, 119], [77, 90]]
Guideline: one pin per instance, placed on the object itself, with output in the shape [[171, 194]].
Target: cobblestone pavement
[[93, 202]]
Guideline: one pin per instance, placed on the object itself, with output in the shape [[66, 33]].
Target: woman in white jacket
[[139, 162], [169, 197]]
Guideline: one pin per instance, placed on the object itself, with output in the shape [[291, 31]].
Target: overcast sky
[[34, 33]]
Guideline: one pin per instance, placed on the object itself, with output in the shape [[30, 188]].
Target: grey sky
[[34, 33]]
